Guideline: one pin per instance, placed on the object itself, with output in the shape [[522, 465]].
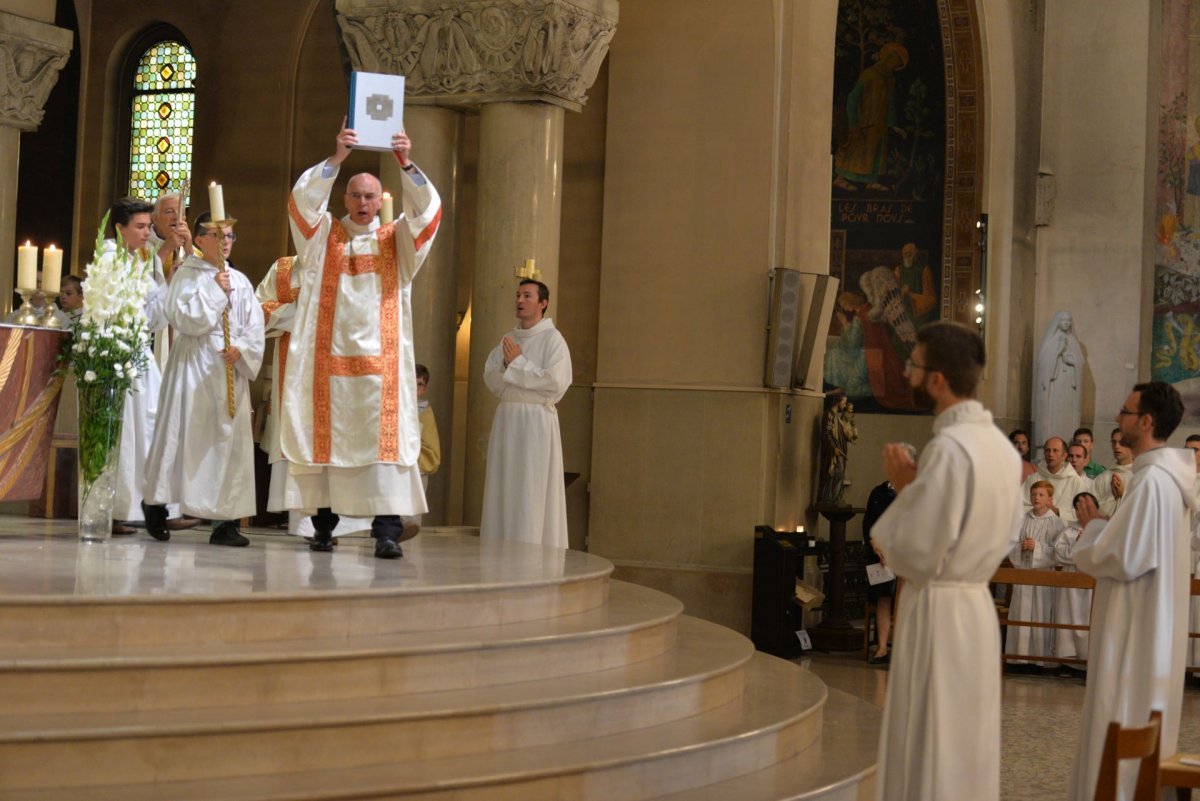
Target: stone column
[[519, 209], [436, 134], [521, 63], [31, 54]]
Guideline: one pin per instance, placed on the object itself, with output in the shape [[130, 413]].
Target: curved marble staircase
[[466, 671]]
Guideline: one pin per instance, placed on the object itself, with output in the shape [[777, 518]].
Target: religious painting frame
[[915, 216]]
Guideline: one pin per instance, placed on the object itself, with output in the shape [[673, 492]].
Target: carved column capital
[[482, 51], [31, 54]]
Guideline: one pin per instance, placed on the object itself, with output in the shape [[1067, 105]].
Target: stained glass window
[[164, 110]]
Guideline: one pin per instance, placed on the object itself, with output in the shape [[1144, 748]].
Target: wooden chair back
[[1134, 743]]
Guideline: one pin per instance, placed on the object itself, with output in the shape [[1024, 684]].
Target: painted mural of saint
[[871, 113], [915, 278]]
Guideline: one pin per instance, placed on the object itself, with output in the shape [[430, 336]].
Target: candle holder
[[49, 318], [219, 227], [28, 313]]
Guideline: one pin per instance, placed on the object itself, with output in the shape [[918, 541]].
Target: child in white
[[1034, 549], [1071, 606]]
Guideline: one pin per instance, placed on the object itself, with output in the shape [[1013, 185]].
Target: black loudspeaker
[[782, 320], [797, 325], [776, 614]]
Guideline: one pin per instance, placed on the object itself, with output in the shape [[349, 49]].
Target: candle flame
[[214, 183], [52, 248]]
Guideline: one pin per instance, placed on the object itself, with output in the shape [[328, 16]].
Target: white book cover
[[879, 574], [376, 109]]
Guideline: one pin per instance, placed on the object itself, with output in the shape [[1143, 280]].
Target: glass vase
[[100, 408]]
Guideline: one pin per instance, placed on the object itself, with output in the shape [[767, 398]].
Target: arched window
[[162, 116]]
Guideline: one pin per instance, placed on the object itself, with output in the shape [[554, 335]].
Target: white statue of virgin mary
[[1057, 382]]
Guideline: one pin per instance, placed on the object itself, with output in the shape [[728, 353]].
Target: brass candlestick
[[49, 318], [219, 226], [27, 314]]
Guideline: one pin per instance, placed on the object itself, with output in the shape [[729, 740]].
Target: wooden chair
[[1138, 743]]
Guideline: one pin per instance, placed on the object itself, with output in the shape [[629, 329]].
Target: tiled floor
[[1039, 723]]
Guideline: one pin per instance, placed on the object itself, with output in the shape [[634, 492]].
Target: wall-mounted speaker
[[782, 319], [819, 294], [797, 324]]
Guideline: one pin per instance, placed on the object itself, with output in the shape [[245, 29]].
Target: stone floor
[[1039, 722]]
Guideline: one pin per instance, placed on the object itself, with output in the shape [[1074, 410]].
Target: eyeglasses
[[1125, 411], [230, 237], [367, 196], [910, 365]]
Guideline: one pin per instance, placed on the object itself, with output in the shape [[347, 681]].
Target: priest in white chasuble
[[524, 494], [1140, 559], [348, 424], [953, 521], [202, 457]]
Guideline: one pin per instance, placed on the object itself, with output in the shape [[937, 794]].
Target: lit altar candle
[[51, 269], [387, 212], [27, 257], [216, 201]]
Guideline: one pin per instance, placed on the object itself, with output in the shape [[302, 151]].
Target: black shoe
[[387, 549], [156, 521], [227, 534], [322, 541]]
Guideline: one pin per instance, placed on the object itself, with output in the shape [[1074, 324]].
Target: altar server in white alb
[[131, 220], [1040, 528], [348, 422], [202, 458], [954, 519], [524, 497], [1140, 559]]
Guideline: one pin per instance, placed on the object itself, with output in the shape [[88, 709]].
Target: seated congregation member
[[1110, 486], [1084, 437], [1034, 549], [202, 458], [1071, 606], [1067, 483], [1077, 457], [1019, 437]]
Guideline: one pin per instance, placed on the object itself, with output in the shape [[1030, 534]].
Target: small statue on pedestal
[[837, 432]]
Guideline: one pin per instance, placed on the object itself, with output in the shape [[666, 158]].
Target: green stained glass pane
[[160, 151], [165, 66]]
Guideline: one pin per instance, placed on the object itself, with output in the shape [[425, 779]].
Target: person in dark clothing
[[882, 595]]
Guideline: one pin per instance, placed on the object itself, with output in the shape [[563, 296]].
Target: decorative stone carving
[[31, 55], [481, 51]]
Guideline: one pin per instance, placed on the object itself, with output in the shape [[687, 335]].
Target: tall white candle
[[387, 212], [216, 201], [51, 269], [27, 258]]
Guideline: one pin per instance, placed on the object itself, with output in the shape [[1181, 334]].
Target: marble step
[[638, 623], [58, 592], [703, 672], [840, 766], [778, 716]]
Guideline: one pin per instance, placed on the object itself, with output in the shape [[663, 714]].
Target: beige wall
[[1099, 140], [40, 10], [717, 170]]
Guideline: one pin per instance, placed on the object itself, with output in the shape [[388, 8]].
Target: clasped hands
[[511, 350]]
